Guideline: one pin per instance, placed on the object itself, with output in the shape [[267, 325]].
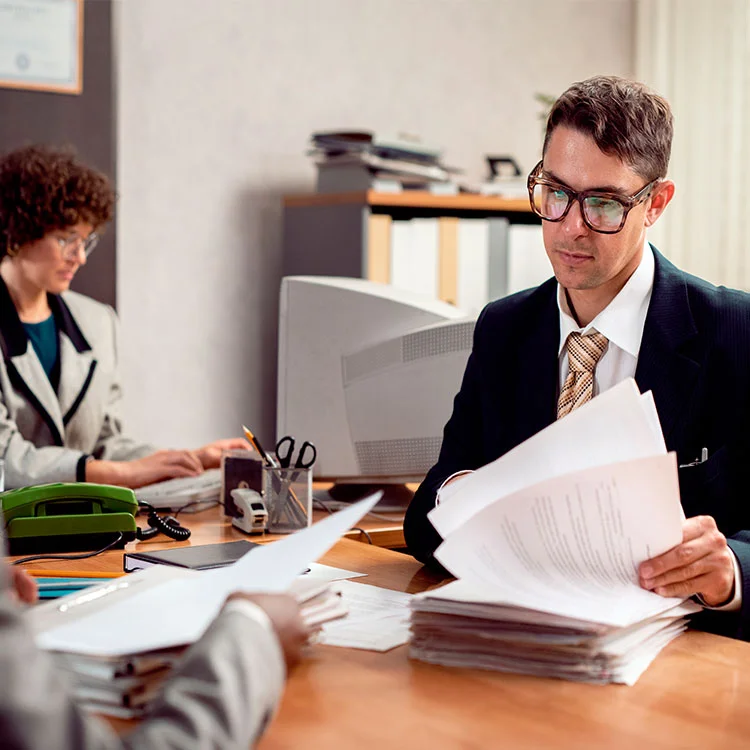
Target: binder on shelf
[[527, 261], [472, 267], [414, 256]]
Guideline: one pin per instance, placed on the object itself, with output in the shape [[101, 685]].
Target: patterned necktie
[[583, 354]]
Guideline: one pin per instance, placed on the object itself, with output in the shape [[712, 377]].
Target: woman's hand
[[154, 468], [210, 455]]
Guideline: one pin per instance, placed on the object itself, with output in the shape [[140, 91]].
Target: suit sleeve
[[222, 694], [462, 448], [112, 444], [27, 464]]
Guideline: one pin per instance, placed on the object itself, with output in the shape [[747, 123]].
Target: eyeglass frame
[[628, 202], [89, 244]]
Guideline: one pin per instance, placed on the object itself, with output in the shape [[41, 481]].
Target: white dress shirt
[[622, 322]]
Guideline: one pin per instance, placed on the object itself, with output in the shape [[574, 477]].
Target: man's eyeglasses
[[601, 211], [71, 245]]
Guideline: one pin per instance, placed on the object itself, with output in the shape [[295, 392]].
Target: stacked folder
[[360, 160], [119, 640], [546, 543], [119, 686], [123, 685]]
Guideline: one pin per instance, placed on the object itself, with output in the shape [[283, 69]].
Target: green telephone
[[65, 517]]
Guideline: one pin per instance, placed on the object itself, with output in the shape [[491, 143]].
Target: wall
[[216, 104], [698, 56]]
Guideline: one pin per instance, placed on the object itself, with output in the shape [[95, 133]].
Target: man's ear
[[658, 201]]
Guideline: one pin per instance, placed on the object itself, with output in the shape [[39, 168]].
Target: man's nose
[[573, 222]]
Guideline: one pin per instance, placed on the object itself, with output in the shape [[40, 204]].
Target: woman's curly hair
[[44, 189]]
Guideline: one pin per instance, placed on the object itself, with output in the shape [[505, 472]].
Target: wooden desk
[[695, 695]]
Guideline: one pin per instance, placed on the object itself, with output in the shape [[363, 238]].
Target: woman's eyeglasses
[[71, 245]]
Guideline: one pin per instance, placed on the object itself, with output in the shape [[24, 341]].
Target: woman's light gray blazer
[[46, 436]]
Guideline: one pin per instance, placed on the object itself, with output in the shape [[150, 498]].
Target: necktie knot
[[585, 351], [583, 354]]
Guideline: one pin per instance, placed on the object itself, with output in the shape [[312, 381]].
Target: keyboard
[[174, 493]]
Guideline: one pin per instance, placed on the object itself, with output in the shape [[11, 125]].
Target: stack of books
[[360, 160], [546, 543]]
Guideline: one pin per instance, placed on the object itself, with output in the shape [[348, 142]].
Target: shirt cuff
[[445, 496], [253, 611], [735, 603], [81, 467]]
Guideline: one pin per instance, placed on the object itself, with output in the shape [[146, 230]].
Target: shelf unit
[[349, 234]]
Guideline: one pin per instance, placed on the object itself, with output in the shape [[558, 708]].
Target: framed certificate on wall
[[41, 45]]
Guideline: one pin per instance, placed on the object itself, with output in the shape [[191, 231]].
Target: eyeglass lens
[[72, 245], [600, 212]]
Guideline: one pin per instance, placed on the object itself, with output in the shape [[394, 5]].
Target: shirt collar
[[623, 319]]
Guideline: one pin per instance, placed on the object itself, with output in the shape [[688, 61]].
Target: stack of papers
[[546, 543], [377, 619], [123, 685], [360, 160], [119, 640]]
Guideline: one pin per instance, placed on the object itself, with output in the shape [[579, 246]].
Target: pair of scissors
[[306, 457]]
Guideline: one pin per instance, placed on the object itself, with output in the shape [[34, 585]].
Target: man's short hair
[[43, 189], [625, 118]]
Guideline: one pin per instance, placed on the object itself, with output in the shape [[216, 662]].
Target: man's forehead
[[574, 159]]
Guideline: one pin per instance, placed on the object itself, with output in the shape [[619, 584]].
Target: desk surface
[[695, 695]]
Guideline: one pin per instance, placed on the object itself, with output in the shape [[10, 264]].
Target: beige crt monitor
[[368, 373]]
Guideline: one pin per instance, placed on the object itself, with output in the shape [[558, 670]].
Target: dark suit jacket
[[694, 356]]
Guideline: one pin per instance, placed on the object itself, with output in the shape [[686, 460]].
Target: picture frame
[[41, 45]]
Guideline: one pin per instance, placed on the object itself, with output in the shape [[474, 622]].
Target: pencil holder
[[288, 497]]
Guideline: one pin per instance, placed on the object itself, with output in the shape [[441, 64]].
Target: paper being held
[[618, 425], [572, 545]]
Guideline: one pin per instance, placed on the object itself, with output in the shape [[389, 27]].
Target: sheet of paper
[[179, 611], [320, 572], [617, 425], [378, 619], [572, 545]]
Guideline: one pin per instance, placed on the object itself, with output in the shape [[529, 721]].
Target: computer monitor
[[368, 373]]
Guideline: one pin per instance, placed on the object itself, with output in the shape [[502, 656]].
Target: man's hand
[[210, 455], [22, 586], [142, 471], [702, 564], [284, 613]]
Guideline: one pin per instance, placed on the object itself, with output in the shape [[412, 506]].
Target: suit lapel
[[24, 368], [76, 371], [77, 362], [538, 367], [665, 365], [28, 376]]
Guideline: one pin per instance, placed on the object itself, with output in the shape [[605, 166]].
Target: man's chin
[[570, 279]]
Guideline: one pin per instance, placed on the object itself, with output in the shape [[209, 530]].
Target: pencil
[[258, 447], [72, 574]]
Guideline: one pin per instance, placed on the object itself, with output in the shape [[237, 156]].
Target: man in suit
[[616, 309], [222, 695]]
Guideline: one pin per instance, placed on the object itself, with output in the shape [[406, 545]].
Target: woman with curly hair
[[60, 391]]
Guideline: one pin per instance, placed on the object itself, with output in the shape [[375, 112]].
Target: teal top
[[43, 337]]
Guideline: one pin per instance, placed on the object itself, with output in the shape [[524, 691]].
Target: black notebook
[[201, 557]]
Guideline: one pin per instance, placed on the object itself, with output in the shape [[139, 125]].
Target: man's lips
[[573, 259]]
